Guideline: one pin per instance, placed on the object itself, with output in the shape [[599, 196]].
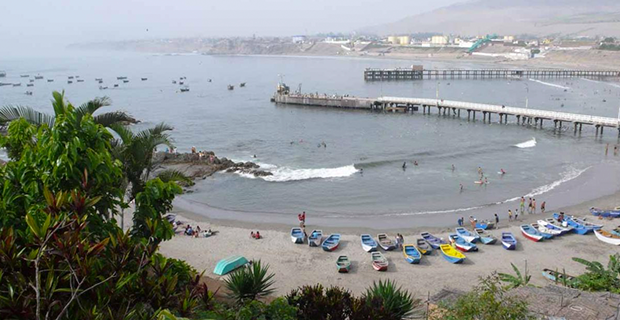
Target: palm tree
[[250, 282], [10, 113], [517, 280]]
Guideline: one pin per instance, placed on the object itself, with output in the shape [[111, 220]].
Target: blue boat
[[368, 243], [297, 235], [331, 243], [462, 244], [484, 225], [412, 255], [509, 242], [229, 264], [423, 246], [586, 224], [485, 237], [578, 228], [468, 236], [605, 213], [432, 240]]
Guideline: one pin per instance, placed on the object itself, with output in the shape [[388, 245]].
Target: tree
[[599, 278], [250, 282]]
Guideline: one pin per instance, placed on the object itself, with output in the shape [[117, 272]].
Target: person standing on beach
[[496, 220], [606, 149], [522, 206], [534, 206], [529, 206], [460, 221], [509, 215], [516, 214], [542, 206]]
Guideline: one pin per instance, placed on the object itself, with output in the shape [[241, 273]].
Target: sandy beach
[[297, 265]]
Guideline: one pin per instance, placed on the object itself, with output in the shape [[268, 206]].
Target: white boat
[[315, 238], [564, 227], [385, 242], [368, 243], [607, 237], [543, 227], [468, 236], [297, 235]]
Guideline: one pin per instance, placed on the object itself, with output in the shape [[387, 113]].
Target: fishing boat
[[184, 89], [332, 242], [616, 231], [242, 84], [552, 223], [486, 224], [174, 82], [121, 78], [5, 84], [24, 75], [605, 213], [485, 236], [580, 226], [423, 246], [28, 93], [546, 235], [315, 238], [379, 262], [124, 81], [143, 79], [181, 83], [297, 235], [70, 77], [116, 85], [607, 237], [432, 240], [69, 82], [544, 227], [38, 77], [556, 276], [50, 80], [343, 264], [586, 224], [450, 254], [531, 233], [30, 85], [230, 87], [368, 243], [98, 79], [509, 242], [385, 243], [461, 243], [17, 84], [80, 80], [468, 236], [411, 253], [229, 264], [31, 80]]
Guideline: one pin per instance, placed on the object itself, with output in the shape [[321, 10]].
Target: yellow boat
[[451, 254]]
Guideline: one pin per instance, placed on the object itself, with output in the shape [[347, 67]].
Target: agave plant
[[250, 282], [393, 301], [516, 280]]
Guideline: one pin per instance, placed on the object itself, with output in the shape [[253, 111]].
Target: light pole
[[527, 95]]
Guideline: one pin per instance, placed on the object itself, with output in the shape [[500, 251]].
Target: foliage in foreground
[[599, 278], [516, 280], [250, 282]]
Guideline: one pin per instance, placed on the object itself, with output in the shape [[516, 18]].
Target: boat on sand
[[332, 242], [315, 238], [343, 264], [368, 243], [385, 243], [509, 242], [411, 253], [607, 237], [450, 254], [485, 236], [423, 246], [297, 235], [379, 262]]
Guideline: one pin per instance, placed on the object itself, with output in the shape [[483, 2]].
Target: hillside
[[535, 17]]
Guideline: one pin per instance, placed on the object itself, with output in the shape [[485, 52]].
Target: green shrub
[[250, 282], [316, 303], [392, 301]]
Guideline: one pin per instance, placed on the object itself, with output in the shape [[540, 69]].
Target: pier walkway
[[418, 73]]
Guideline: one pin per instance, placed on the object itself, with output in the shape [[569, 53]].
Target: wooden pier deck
[[532, 117], [417, 73]]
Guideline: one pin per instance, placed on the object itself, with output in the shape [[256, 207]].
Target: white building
[[299, 39], [439, 40]]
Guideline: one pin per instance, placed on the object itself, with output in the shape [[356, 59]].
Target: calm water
[[327, 181]]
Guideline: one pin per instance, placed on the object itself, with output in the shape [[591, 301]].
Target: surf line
[[550, 84]]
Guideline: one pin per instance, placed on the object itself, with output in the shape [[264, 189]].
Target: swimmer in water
[[502, 171], [461, 187], [404, 165], [415, 163], [453, 168]]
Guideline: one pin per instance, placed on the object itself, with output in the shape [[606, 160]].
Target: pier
[[522, 116], [418, 73]]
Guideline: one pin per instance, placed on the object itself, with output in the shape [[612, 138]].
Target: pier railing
[[373, 74]]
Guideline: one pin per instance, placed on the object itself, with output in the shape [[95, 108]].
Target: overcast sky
[[28, 23]]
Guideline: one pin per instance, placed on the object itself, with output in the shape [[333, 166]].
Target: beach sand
[[295, 265]]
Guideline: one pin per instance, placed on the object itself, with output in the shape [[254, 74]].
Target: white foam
[[550, 84], [569, 175], [611, 84], [287, 174], [527, 144]]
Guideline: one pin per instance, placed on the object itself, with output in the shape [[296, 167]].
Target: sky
[[37, 24]]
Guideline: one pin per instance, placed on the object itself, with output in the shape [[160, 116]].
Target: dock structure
[[418, 73], [523, 116]]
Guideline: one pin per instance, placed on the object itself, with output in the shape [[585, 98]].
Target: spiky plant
[[250, 282], [394, 302], [516, 280]]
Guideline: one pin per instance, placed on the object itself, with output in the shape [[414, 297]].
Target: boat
[[28, 93], [529, 232], [69, 82], [31, 80], [450, 254], [181, 83], [586, 224], [379, 262], [229, 264], [461, 243], [5, 84], [17, 84], [2, 73], [24, 75], [423, 246], [485, 236], [70, 77], [174, 82], [98, 79], [38, 77], [385, 243], [616, 231], [185, 89], [242, 84], [80, 80], [546, 235], [368, 243], [50, 80], [121, 78], [30, 85], [544, 227], [486, 224], [343, 264], [124, 81], [315, 238], [231, 87], [556, 276], [579, 226], [332, 242], [143, 79], [605, 213], [411, 253], [509, 242], [432, 240], [116, 85], [607, 237], [468, 236], [297, 235], [554, 224]]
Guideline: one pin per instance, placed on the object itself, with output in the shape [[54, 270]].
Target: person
[[193, 150], [188, 230], [509, 215], [415, 163], [516, 214], [486, 181], [561, 217], [303, 217], [461, 186], [472, 221], [533, 205], [197, 233], [252, 234], [542, 206], [254, 156], [479, 170], [453, 168], [502, 171], [496, 220], [460, 221], [361, 171], [257, 235], [522, 206], [404, 165], [606, 149], [529, 206]]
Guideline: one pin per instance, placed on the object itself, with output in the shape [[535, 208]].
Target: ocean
[[357, 177]]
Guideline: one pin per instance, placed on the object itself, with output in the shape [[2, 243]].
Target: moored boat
[[315, 238], [184, 89], [450, 254], [332, 242], [432, 240], [468, 236], [607, 237], [143, 79], [297, 235], [231, 87], [556, 276], [461, 244], [411, 253], [537, 227], [509, 242], [385, 243], [343, 264], [423, 246], [242, 84], [485, 236], [529, 232], [368, 243], [379, 262], [50, 80], [38, 77]]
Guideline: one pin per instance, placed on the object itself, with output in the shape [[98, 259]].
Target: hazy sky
[[33, 23]]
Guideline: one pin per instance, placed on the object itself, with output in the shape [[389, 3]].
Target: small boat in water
[[368, 243], [607, 237], [143, 79], [556, 276], [538, 228], [315, 238], [509, 242], [230, 87], [379, 262], [116, 85], [242, 84], [432, 240], [485, 236], [450, 254], [468, 236], [5, 84], [462, 244], [332, 242], [30, 85], [423, 246], [70, 77], [174, 82], [343, 264], [181, 83], [17, 84], [297, 235], [121, 78], [38, 77], [50, 80], [185, 89], [98, 79], [31, 80], [529, 232], [411, 253], [385, 243], [124, 81], [69, 82], [24, 75], [28, 93], [80, 80]]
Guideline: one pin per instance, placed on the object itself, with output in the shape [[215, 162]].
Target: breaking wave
[[283, 174], [550, 84], [527, 144]]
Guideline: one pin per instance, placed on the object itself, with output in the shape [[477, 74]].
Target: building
[[399, 40], [509, 38], [439, 40], [299, 39]]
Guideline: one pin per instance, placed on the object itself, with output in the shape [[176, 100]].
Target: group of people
[[197, 233], [400, 240], [255, 235]]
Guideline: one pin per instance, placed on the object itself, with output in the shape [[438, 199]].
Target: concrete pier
[[418, 73]]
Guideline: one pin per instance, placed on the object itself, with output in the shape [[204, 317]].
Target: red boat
[[379, 262]]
